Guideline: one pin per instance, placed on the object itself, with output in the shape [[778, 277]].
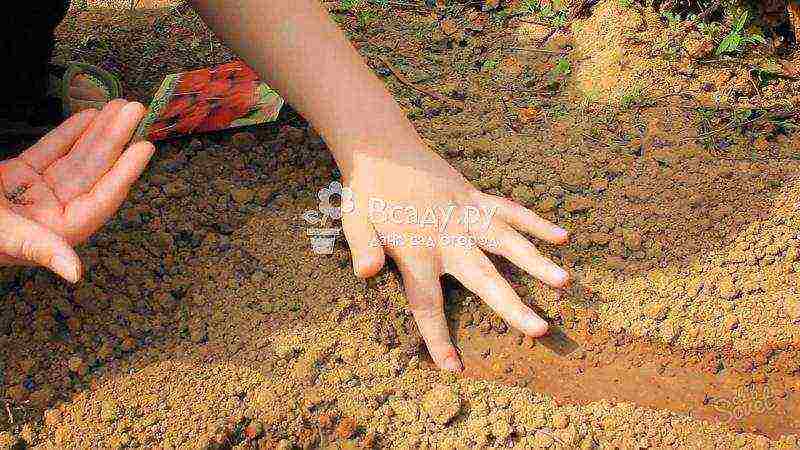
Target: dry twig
[[402, 78]]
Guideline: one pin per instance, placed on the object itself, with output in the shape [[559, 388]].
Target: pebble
[[524, 195], [727, 289], [632, 239], [531, 33], [577, 204], [731, 322], [542, 440], [656, 311], [52, 417], [442, 404], [8, 441], [177, 189], [598, 238], [108, 411], [254, 430], [346, 428], [560, 421], [76, 365], [792, 307], [546, 205], [243, 140], [242, 195]]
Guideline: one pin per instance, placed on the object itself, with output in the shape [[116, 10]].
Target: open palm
[[63, 188]]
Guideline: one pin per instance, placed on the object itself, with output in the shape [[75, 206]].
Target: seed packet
[[216, 98]]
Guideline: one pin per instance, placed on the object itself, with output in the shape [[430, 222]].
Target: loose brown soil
[[205, 321]]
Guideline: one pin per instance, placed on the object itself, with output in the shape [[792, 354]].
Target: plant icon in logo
[[323, 238], [346, 195]]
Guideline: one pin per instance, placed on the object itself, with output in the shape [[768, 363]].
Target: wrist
[[388, 135]]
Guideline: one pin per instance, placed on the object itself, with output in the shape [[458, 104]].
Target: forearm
[[300, 52]]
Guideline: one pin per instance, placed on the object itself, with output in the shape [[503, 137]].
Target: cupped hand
[[420, 211], [63, 188]]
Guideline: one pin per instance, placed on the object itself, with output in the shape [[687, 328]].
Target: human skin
[[63, 188], [296, 49]]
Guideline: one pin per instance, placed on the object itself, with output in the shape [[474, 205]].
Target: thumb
[[366, 249], [28, 241]]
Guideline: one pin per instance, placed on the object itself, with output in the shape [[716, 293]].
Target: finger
[[477, 273], [29, 241], [88, 212], [522, 218], [82, 88], [96, 151], [58, 142], [501, 240], [425, 299], [365, 248], [6, 260]]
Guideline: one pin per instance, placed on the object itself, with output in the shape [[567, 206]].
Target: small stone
[[791, 304], [632, 239], [52, 417], [17, 393], [542, 440], [242, 195], [449, 27], [442, 404], [243, 140], [731, 322], [600, 238], [727, 289], [560, 421], [531, 33], [346, 428], [264, 194], [546, 205], [254, 430], [198, 332], [128, 344], [599, 184], [656, 311], [577, 204], [108, 411], [76, 365], [8, 441], [698, 47], [524, 195], [176, 189], [105, 351]]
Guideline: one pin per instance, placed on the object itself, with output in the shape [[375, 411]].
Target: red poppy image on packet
[[226, 96]]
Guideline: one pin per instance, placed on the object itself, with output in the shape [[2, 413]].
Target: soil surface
[[206, 321]]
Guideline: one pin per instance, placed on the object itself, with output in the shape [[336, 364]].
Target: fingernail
[[65, 266], [452, 364], [132, 108], [560, 274], [560, 233], [536, 326]]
